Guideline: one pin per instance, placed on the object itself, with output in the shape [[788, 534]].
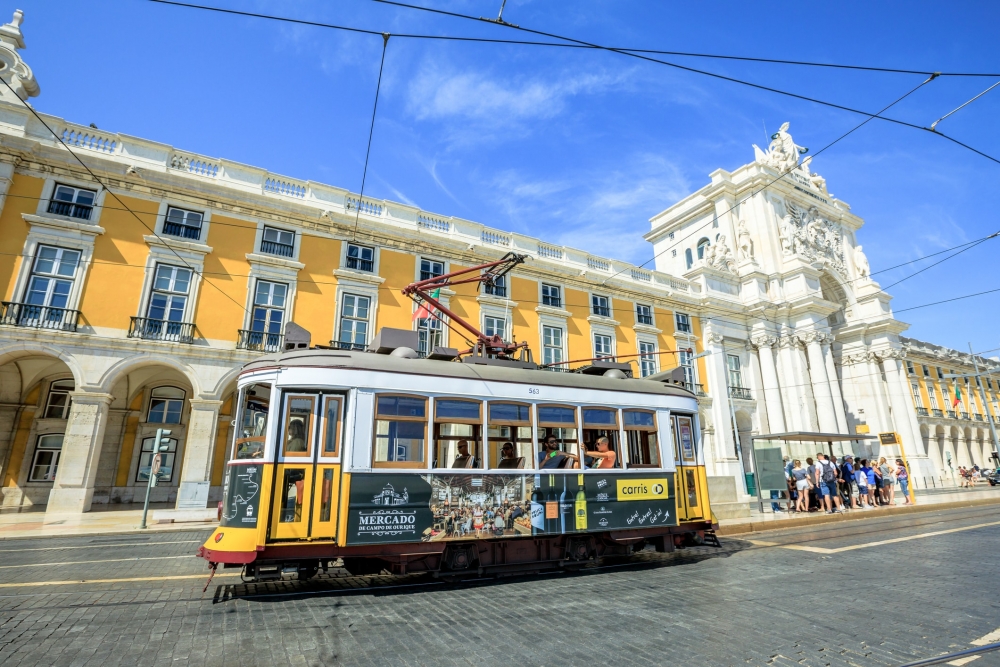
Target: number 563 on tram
[[408, 464]]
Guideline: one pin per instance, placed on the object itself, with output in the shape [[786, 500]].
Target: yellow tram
[[453, 466]]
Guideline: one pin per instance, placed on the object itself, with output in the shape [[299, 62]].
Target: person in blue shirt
[[870, 476], [847, 472]]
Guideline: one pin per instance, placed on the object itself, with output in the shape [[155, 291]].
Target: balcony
[[279, 249], [259, 341], [977, 417], [952, 414], [741, 393], [69, 209], [698, 389], [38, 317], [922, 412], [937, 413], [165, 330], [182, 231]]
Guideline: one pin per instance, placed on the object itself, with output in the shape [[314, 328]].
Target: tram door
[[307, 470], [689, 482]]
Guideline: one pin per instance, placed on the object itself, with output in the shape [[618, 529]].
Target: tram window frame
[[422, 419], [448, 458], [251, 446], [679, 454], [332, 427], [566, 445], [593, 430], [651, 444], [524, 449], [307, 436]]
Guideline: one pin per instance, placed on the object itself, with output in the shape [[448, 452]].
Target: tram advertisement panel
[[428, 508], [241, 495]]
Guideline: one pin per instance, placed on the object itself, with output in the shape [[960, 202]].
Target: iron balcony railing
[[279, 249], [149, 329], [684, 327], [937, 413], [67, 208], [183, 231], [922, 412], [258, 341], [346, 345], [741, 393], [644, 319], [601, 311], [977, 417], [952, 414], [359, 264], [496, 290], [38, 317], [698, 389]]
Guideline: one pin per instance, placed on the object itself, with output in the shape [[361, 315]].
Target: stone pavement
[[136, 600], [103, 520]]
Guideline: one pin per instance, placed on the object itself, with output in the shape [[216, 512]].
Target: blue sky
[[580, 148]]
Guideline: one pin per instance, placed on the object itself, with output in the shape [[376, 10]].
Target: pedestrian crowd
[[824, 485], [970, 476]]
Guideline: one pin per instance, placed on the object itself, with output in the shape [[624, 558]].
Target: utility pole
[[154, 469]]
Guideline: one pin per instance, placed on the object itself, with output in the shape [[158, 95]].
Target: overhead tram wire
[[371, 131], [520, 42], [118, 199]]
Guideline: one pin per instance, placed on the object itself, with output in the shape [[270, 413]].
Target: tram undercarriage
[[472, 558]]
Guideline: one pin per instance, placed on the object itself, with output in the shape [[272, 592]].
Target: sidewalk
[[929, 500], [102, 520]]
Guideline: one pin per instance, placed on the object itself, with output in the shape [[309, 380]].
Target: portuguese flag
[[426, 310], [958, 396]]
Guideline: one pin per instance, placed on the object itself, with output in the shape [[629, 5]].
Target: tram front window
[[400, 431], [457, 433], [640, 433], [249, 444], [509, 436], [557, 435]]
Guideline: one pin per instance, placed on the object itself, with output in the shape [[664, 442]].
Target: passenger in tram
[[604, 453], [296, 436], [508, 459], [464, 459], [551, 457]]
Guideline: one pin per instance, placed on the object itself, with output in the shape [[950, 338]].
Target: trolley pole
[[154, 469]]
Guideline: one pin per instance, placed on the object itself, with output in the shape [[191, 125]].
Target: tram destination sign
[[387, 508]]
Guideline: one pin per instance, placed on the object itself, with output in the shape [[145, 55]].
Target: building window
[[702, 244], [430, 269], [165, 404], [931, 396], [58, 404], [552, 345], [360, 258], [688, 259], [182, 223], [51, 282], [354, 322], [428, 335], [72, 202], [599, 305], [683, 322], [643, 314], [170, 289], [268, 307], [735, 371], [927, 371], [498, 288], [166, 471], [909, 367], [686, 362], [495, 326], [602, 346], [647, 359], [551, 296], [277, 242], [916, 393], [43, 466], [940, 373]]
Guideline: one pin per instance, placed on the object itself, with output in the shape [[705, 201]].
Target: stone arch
[[703, 243], [225, 385], [20, 350], [835, 290], [121, 368]]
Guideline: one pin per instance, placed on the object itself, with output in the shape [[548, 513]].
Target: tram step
[[711, 539]]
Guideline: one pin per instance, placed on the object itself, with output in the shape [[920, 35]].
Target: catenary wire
[[371, 131], [519, 42], [111, 192]]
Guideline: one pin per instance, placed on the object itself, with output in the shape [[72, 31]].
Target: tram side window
[[458, 433], [640, 433], [252, 424], [557, 437], [508, 432], [400, 431], [684, 442], [600, 438], [298, 421]]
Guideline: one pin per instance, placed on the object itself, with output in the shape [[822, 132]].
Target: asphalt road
[[874, 592]]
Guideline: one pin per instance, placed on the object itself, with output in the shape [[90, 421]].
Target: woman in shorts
[[800, 476]]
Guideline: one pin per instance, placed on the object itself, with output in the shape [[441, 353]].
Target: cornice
[[177, 244], [271, 260], [358, 276], [553, 312], [62, 224], [498, 301]]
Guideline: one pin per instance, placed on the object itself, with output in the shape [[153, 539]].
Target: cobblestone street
[[876, 592]]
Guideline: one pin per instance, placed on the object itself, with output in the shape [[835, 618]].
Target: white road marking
[[822, 550], [83, 562], [988, 639], [964, 661], [204, 575], [100, 546]]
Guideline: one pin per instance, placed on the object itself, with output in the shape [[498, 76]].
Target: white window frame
[[677, 323], [345, 257], [915, 387], [422, 258], [39, 449], [187, 213], [55, 389], [611, 341], [52, 277], [77, 190], [49, 190], [432, 323], [645, 358], [651, 313], [149, 404], [932, 394], [685, 360], [492, 316], [188, 310], [367, 320], [560, 348], [734, 373], [541, 296], [255, 286], [504, 284], [609, 307], [161, 218]]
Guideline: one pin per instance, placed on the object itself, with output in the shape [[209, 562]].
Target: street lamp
[[154, 468]]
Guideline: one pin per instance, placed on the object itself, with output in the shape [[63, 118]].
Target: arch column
[[196, 469], [769, 377], [962, 450], [934, 453], [825, 413], [831, 374], [73, 488]]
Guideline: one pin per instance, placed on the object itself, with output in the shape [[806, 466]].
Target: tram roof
[[369, 361]]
